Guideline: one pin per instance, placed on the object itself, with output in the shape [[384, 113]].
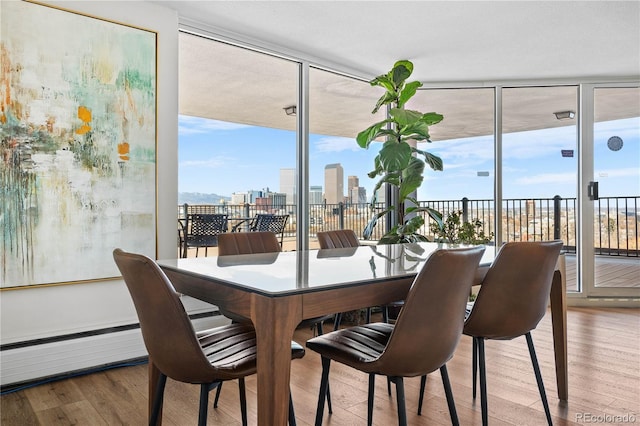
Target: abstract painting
[[77, 144]]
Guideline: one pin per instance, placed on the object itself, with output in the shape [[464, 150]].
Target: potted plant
[[399, 163], [454, 230]]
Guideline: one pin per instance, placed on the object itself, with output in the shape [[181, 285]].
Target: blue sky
[[222, 158]]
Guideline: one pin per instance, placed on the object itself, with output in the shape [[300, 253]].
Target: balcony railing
[[615, 226]]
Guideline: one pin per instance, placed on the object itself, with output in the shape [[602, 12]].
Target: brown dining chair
[[235, 243], [339, 238], [343, 238], [423, 338], [239, 243], [207, 357], [512, 300]]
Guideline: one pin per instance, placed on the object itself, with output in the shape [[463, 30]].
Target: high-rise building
[[315, 195], [358, 195], [352, 182], [334, 183], [288, 184], [239, 198]]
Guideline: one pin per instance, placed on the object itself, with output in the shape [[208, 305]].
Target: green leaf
[[405, 117], [434, 214], [401, 71], [433, 161], [391, 238], [431, 118], [410, 183], [417, 130], [408, 92], [395, 156], [368, 230], [413, 225], [414, 168], [378, 169], [365, 137], [392, 178], [389, 97], [383, 81]]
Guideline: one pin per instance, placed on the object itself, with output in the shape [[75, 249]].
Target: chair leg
[[324, 383], [243, 401], [474, 367], [447, 390], [292, 414], [336, 321], [536, 370], [423, 384], [483, 381], [372, 388], [218, 390], [402, 411], [385, 314], [368, 317], [329, 406], [389, 386], [320, 329], [157, 401], [204, 402]]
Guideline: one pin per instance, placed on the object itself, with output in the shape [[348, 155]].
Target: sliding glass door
[[611, 263]]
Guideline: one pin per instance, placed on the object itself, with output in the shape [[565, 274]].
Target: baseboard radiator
[[60, 357]]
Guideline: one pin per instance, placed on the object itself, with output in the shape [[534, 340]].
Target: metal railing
[[615, 228]]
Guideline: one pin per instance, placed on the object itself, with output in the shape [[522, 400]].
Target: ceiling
[[459, 43]]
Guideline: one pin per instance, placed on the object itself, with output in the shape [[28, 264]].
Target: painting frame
[[78, 145]]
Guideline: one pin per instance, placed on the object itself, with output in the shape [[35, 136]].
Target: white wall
[[31, 313]]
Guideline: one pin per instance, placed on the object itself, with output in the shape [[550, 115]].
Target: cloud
[[628, 172], [336, 144], [210, 163], [570, 177], [188, 125], [546, 178], [519, 145]]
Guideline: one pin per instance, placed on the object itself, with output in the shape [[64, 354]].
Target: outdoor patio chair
[[202, 230], [270, 223]]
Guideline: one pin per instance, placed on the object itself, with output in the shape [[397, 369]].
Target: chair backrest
[[270, 222], [166, 330], [429, 325], [247, 243], [339, 238], [514, 293], [202, 227]]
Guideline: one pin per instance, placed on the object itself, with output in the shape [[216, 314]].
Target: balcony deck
[[610, 271]]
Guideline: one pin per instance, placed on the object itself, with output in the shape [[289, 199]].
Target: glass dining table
[[279, 290]]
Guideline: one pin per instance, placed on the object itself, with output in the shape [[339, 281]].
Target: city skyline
[[222, 158]]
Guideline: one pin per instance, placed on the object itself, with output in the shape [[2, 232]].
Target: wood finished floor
[[604, 384]]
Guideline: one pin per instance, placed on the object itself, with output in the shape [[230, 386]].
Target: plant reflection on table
[[408, 252]]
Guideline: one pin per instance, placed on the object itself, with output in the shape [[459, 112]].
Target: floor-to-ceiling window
[[339, 188], [540, 167], [464, 140], [237, 130]]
